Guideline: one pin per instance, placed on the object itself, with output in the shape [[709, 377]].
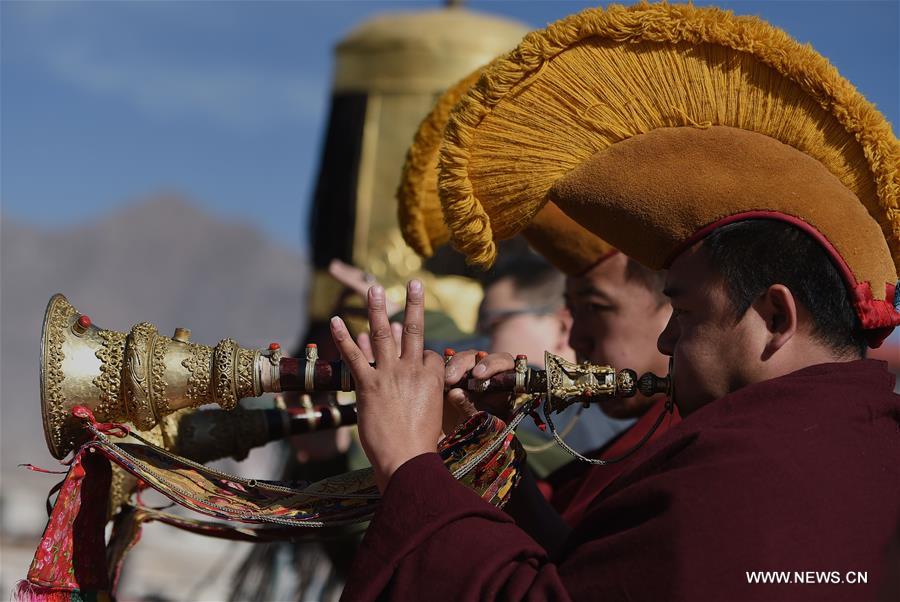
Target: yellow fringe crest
[[670, 65], [418, 208]]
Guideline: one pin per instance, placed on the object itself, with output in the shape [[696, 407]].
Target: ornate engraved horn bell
[[137, 377]]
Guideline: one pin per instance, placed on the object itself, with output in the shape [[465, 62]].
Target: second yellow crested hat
[[653, 124], [552, 233]]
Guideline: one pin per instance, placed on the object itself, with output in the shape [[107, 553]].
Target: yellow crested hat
[[552, 233], [651, 125]]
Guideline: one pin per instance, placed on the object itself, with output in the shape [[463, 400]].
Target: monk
[[738, 159], [791, 469], [618, 309]]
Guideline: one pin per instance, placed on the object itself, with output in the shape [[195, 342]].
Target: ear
[[778, 310]]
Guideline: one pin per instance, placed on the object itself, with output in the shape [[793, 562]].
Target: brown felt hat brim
[[652, 193], [564, 243]]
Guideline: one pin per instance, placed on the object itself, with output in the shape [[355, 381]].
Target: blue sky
[[107, 103]]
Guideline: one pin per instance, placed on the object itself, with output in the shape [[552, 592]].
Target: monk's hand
[[364, 341], [399, 400], [459, 403]]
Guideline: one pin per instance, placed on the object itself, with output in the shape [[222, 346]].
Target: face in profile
[[711, 346], [616, 321]]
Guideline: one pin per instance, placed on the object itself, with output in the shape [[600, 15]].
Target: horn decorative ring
[[142, 376]]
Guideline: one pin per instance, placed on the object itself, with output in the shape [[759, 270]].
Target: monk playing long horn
[[616, 309], [722, 149]]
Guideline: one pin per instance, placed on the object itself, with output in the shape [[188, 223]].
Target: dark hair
[[653, 280], [752, 255], [534, 279]]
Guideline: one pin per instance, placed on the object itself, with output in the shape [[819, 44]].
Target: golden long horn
[[141, 377]]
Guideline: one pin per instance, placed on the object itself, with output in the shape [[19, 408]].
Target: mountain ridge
[[162, 259]]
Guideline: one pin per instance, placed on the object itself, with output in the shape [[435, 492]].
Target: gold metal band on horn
[[138, 377]]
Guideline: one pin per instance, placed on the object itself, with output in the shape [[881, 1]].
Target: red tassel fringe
[[29, 592]]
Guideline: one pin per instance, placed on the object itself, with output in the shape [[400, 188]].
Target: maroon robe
[[575, 485], [799, 473]]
